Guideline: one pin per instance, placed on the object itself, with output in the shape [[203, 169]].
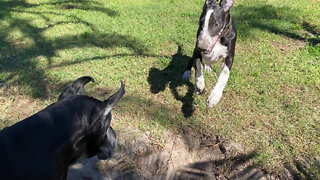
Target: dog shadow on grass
[[172, 76]]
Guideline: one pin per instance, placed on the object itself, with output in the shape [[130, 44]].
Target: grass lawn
[[270, 104]]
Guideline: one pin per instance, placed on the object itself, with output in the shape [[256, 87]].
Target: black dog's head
[[213, 20], [95, 135], [107, 145]]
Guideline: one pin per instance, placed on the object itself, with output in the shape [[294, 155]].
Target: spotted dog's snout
[[201, 49], [203, 43]]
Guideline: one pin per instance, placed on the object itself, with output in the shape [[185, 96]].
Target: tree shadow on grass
[[18, 62], [8, 6], [172, 76], [236, 167], [277, 20], [315, 39]]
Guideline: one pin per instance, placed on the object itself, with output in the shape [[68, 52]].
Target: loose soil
[[187, 156]]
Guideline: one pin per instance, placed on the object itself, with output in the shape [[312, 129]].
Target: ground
[[269, 111], [189, 156]]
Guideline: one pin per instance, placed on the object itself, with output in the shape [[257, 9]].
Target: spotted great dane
[[216, 39]]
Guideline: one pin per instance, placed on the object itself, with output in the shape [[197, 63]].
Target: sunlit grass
[[270, 104]]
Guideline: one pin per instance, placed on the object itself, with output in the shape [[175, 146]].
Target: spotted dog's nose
[[202, 44], [201, 49]]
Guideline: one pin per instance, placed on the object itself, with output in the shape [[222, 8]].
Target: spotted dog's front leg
[[208, 68], [186, 75], [199, 77], [216, 93], [196, 55]]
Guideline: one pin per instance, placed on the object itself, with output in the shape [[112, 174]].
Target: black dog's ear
[[76, 87], [226, 4], [113, 100]]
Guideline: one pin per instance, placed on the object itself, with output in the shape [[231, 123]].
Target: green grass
[[270, 104]]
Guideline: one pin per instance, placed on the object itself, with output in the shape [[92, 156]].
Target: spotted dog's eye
[[216, 24], [201, 22]]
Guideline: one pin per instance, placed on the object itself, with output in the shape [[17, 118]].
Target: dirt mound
[[186, 156]]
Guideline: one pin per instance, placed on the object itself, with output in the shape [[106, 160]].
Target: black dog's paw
[[199, 92]]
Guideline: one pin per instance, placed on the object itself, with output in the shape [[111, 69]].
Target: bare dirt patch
[[186, 156], [288, 45], [15, 107]]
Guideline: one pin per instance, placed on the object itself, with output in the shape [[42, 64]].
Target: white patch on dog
[[200, 83], [207, 68], [200, 80], [206, 21], [204, 35], [108, 109], [186, 75], [217, 91], [219, 51]]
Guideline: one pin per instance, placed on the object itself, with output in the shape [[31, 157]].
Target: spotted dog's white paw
[[207, 68], [213, 99], [186, 75]]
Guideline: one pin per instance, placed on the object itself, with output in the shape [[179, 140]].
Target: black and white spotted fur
[[216, 39]]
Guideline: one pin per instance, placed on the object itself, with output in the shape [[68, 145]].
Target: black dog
[[216, 38], [45, 144]]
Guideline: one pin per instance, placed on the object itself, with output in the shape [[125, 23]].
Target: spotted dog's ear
[[226, 4], [76, 87]]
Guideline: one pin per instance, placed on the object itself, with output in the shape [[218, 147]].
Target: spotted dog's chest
[[219, 51]]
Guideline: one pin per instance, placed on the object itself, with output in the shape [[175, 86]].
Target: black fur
[[43, 145]]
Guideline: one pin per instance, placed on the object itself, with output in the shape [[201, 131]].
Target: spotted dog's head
[[214, 18]]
